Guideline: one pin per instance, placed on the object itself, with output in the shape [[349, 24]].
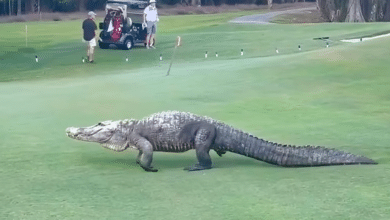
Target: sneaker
[[147, 46], [152, 46], [91, 61]]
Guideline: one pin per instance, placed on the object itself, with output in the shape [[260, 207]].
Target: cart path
[[266, 18]]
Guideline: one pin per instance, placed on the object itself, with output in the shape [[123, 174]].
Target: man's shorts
[[92, 43], [152, 27]]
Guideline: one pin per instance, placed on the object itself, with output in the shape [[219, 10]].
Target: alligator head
[[110, 134]]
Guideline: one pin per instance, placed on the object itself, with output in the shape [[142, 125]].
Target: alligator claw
[[197, 167], [149, 169]]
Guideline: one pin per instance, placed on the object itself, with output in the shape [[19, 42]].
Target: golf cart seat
[[122, 24]]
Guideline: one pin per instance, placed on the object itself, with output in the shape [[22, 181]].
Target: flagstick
[[173, 56], [26, 35], [171, 61]]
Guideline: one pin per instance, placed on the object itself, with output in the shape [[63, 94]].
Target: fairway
[[336, 97]]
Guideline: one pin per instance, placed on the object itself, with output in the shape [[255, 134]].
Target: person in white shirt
[[150, 21]]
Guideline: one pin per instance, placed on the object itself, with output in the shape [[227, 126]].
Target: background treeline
[[18, 7], [355, 10]]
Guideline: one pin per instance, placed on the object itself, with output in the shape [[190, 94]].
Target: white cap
[[152, 1], [91, 13]]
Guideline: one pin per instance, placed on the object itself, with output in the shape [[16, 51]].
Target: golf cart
[[122, 25]]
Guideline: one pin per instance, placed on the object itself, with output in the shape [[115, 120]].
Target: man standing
[[89, 28], [150, 21]]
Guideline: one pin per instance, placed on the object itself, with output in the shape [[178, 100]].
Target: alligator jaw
[[81, 134], [72, 132]]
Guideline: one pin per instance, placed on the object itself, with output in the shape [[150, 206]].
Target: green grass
[[335, 97]]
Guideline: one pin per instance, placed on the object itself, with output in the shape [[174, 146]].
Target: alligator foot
[[149, 169], [139, 163], [197, 167]]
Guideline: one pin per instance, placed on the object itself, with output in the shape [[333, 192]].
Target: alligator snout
[[71, 132]]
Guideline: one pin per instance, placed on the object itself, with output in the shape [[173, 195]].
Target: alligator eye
[[100, 124]]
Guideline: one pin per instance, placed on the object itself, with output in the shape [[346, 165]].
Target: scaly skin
[[179, 132]]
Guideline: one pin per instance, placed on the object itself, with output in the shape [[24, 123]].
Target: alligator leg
[[138, 161], [145, 155], [203, 141]]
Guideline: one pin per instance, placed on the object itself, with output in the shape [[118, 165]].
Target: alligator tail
[[230, 139]]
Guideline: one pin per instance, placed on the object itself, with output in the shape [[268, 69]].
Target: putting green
[[335, 97]]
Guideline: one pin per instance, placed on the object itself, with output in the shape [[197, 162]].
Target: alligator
[[175, 131]]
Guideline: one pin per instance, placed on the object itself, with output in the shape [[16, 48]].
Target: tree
[[376, 10], [328, 10], [196, 2], [354, 12], [28, 6], [337, 10], [269, 4], [19, 13], [81, 5], [387, 12]]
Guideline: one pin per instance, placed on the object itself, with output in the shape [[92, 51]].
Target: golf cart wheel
[[128, 44], [103, 45]]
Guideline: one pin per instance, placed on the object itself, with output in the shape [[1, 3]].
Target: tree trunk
[[386, 17], [82, 5], [209, 2], [19, 13], [328, 10], [269, 4], [374, 11], [354, 12], [32, 6], [27, 6], [195, 3]]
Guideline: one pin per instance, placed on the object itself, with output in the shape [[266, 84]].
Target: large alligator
[[179, 131]]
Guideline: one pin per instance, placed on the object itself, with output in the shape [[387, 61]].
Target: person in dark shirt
[[89, 28]]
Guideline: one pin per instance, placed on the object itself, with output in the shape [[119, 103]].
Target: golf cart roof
[[126, 1], [131, 4], [130, 8]]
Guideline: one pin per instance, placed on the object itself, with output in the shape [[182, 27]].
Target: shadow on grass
[[176, 161]]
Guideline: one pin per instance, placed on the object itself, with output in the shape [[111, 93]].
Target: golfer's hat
[[152, 1], [91, 13]]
